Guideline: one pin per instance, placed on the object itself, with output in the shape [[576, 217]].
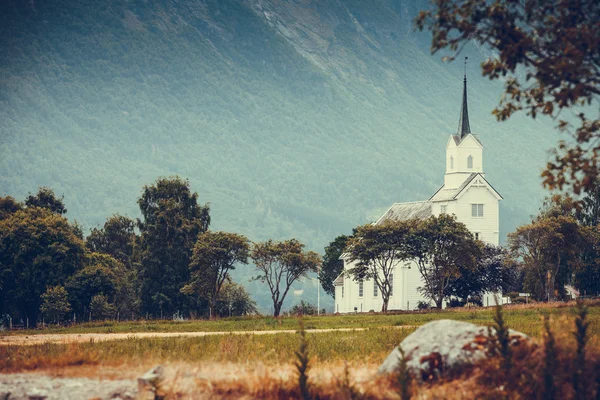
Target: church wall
[[488, 226]]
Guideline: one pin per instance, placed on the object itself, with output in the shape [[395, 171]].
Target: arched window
[[451, 162], [470, 162]]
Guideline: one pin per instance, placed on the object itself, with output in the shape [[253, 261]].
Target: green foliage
[[8, 206], [215, 254], [303, 308], [104, 275], [280, 264], [38, 248], [403, 376], [442, 247], [234, 300], [55, 303], [549, 247], [100, 308], [377, 249], [495, 271], [116, 238], [171, 222], [501, 340], [45, 198], [332, 265]]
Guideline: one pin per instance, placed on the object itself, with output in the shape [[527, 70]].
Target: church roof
[[339, 280], [444, 194], [404, 211]]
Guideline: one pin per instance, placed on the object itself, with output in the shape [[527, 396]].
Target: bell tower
[[464, 152]]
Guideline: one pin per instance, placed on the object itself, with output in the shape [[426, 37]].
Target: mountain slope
[[293, 119]]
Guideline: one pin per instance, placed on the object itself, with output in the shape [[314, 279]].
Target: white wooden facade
[[465, 193]]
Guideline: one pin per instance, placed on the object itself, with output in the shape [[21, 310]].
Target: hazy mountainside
[[296, 118]]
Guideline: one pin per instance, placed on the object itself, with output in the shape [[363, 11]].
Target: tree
[[280, 264], [234, 300], [55, 303], [442, 247], [45, 198], [100, 308], [116, 238], [38, 248], [8, 206], [547, 247], [171, 222], [104, 275], [556, 44], [332, 265], [494, 272], [376, 250], [215, 254]]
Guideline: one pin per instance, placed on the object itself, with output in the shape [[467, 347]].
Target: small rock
[[441, 347]]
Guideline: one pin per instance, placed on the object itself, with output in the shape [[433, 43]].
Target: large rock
[[442, 347]]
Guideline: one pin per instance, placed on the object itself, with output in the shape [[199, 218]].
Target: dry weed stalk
[[302, 363]]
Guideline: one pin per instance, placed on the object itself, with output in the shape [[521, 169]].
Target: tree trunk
[[384, 306], [276, 310]]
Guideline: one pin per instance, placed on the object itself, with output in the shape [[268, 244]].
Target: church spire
[[463, 124]]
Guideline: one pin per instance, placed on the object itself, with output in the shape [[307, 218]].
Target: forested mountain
[[300, 118]]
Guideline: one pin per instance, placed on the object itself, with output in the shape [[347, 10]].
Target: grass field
[[524, 318], [363, 350]]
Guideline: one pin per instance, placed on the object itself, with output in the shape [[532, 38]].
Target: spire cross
[[466, 58]]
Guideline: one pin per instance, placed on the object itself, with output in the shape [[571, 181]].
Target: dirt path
[[23, 340]]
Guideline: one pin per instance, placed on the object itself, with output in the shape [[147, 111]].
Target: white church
[[465, 193]]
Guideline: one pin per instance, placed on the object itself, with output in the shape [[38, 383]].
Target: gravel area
[[43, 387]]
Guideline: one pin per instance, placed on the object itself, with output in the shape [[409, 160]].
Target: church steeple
[[463, 124]]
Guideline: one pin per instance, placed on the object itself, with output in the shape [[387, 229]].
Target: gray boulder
[[441, 347]]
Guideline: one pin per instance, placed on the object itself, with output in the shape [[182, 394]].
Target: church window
[[443, 209], [477, 210], [476, 235], [470, 162], [342, 292], [451, 162], [360, 288], [391, 284], [375, 289]]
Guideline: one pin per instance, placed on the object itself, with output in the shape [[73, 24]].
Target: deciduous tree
[[55, 303], [442, 247], [548, 54], [280, 264], [116, 238], [171, 221], [38, 248], [332, 265], [45, 198], [547, 246], [215, 254], [376, 250]]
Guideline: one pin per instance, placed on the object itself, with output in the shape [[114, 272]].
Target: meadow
[[263, 365]]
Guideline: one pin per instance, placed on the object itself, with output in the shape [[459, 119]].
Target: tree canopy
[[332, 265], [171, 222], [376, 250], [280, 264], [215, 254]]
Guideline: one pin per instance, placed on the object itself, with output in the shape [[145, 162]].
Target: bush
[[304, 308], [423, 305]]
